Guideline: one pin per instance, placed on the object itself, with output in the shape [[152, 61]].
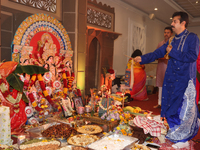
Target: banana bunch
[[132, 109], [118, 97]]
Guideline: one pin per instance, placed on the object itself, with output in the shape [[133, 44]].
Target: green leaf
[[30, 69], [15, 82], [24, 98]]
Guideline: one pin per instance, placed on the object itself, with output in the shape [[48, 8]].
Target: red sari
[[17, 108], [138, 90]]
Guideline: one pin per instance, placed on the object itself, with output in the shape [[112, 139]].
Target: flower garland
[[46, 95], [70, 79], [102, 107], [32, 81], [64, 82], [33, 102], [30, 95]]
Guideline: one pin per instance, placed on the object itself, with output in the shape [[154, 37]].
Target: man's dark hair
[[169, 28], [184, 17]]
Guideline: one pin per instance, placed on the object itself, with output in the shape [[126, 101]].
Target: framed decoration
[[77, 102], [67, 107]]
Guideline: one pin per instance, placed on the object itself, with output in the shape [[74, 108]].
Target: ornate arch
[[38, 23]]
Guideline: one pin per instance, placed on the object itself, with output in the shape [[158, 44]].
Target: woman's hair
[[137, 52]]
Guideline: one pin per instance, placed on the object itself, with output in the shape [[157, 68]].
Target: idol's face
[[46, 66], [50, 59], [68, 65], [26, 62]]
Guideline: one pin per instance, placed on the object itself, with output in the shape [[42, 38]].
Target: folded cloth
[[149, 126]]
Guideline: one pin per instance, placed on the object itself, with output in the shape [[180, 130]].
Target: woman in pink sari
[[135, 78]]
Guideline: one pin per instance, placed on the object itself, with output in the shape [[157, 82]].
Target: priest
[[178, 106]]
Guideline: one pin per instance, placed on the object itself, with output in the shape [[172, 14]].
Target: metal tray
[[85, 146], [40, 138], [125, 146], [36, 132]]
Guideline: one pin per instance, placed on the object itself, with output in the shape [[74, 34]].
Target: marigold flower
[[42, 100], [39, 76], [65, 90], [33, 78], [45, 93], [64, 76], [34, 104]]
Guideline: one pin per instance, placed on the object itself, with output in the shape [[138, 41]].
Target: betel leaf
[[30, 69], [14, 81], [24, 98]]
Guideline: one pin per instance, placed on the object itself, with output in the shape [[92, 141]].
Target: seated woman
[[135, 78]]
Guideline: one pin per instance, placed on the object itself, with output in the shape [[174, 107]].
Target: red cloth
[[18, 119], [197, 82]]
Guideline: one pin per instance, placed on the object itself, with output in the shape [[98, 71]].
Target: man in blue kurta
[[178, 95]]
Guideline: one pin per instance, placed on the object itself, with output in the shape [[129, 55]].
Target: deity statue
[[49, 57]]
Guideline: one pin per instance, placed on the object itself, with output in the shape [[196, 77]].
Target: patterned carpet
[[148, 105]]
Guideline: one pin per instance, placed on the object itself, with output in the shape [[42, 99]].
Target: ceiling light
[[155, 8], [197, 2], [171, 18]]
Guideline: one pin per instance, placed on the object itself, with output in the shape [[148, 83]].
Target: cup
[[87, 108], [20, 139], [80, 110]]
